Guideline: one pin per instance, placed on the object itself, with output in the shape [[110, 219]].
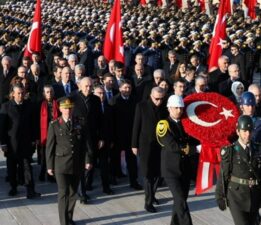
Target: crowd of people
[[69, 98]]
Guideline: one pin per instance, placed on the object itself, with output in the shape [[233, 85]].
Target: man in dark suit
[[171, 65], [139, 81], [200, 86], [7, 72], [68, 149], [101, 68], [119, 74], [88, 106], [225, 86], [144, 142], [177, 149], [66, 86], [123, 109], [140, 60], [108, 82], [36, 82], [86, 57], [199, 67], [238, 58], [220, 74], [107, 134], [16, 137]]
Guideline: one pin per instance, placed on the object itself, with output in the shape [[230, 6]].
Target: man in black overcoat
[[88, 106], [124, 105], [144, 142], [16, 137]]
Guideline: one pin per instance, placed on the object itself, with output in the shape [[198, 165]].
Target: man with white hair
[[72, 61], [88, 107], [234, 75], [177, 148], [7, 72], [86, 57], [66, 86], [220, 74], [158, 75]]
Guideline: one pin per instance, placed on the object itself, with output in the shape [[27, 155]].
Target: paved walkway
[[125, 207]]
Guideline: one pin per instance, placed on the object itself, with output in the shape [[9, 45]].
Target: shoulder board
[[162, 128], [225, 150], [53, 121]]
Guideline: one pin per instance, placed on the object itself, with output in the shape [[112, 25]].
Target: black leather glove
[[221, 204]]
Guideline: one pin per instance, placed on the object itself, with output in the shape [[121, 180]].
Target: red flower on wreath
[[210, 117]]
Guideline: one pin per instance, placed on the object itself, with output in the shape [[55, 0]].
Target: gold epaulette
[[161, 129]]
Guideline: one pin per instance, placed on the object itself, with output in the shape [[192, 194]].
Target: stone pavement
[[125, 207]]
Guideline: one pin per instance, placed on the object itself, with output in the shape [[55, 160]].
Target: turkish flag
[[143, 2], [113, 43], [249, 8], [182, 4], [34, 43], [219, 34], [204, 6]]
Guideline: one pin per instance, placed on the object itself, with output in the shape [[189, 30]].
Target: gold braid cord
[[161, 130]]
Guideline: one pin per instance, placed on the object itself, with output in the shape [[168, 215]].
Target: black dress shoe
[[12, 192], [136, 186], [33, 195], [150, 208], [71, 222], [108, 191], [121, 175], [89, 187], [42, 177], [113, 181], [51, 179], [84, 199], [156, 201]]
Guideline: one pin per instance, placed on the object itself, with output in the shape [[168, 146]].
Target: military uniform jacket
[[174, 162], [67, 149], [236, 162]]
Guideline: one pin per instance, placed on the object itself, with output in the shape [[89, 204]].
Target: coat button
[[72, 152], [72, 145]]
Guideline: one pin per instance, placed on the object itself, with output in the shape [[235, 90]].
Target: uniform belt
[[242, 181]]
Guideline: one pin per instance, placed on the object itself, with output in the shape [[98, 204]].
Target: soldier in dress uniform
[[176, 157], [67, 149], [239, 185]]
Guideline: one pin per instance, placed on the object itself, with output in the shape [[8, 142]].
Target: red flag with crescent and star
[[219, 34], [249, 7], [113, 43], [211, 118], [34, 43]]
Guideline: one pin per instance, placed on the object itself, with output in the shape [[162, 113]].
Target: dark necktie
[[109, 95], [67, 89], [68, 124], [247, 149], [5, 73]]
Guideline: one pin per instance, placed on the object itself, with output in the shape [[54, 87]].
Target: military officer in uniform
[[67, 150], [239, 185], [176, 154]]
